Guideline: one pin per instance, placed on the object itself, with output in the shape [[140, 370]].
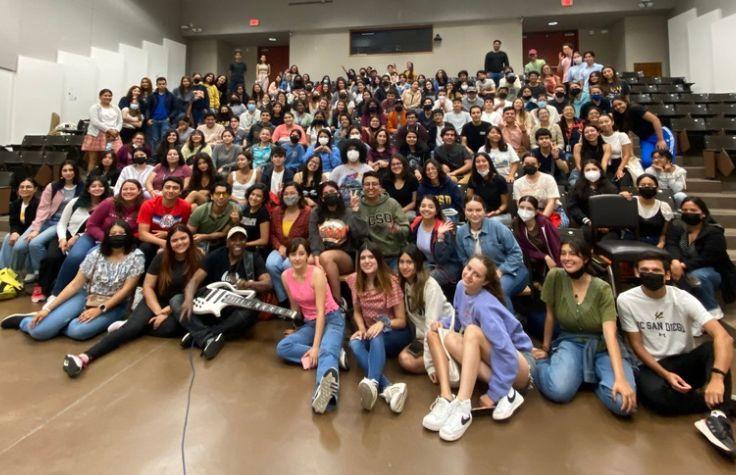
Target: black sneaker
[[186, 341], [213, 346], [342, 360], [717, 430], [12, 322], [73, 365], [326, 391]]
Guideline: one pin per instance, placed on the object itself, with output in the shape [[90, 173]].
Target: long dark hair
[[405, 173], [164, 146], [502, 145], [588, 151], [192, 258], [322, 210], [190, 144], [59, 184], [475, 176], [493, 283], [384, 274], [195, 183], [302, 202], [119, 202], [316, 178], [85, 199], [164, 162], [105, 248], [582, 190], [441, 175], [414, 299], [581, 248], [437, 207]]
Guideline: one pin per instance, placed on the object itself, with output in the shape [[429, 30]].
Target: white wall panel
[[111, 67], [176, 60], [679, 46], [35, 97], [701, 51], [136, 64], [157, 60], [6, 101], [723, 34], [80, 85]]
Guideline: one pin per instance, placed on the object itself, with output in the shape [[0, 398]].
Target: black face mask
[[559, 95], [530, 170], [575, 92], [647, 192], [510, 78], [527, 98], [373, 109], [428, 107], [577, 274], [502, 96], [117, 242], [294, 139], [331, 199], [138, 160], [398, 108], [385, 83], [318, 122], [651, 281], [691, 218]]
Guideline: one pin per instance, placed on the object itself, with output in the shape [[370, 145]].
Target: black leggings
[[50, 266], [135, 326], [232, 322], [695, 368]]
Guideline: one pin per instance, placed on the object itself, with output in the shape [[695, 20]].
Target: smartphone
[[416, 348]]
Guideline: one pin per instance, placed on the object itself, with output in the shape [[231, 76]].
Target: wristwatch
[[102, 307]]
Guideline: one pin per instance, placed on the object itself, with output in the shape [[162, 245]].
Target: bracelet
[[718, 371], [386, 323]]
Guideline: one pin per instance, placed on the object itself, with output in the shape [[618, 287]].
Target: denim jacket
[[496, 241]]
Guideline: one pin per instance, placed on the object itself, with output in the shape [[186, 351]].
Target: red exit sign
[[566, 3], [254, 22]]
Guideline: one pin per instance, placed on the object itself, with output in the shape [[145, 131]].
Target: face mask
[[355, 136], [385, 83], [596, 97], [530, 170], [592, 175], [502, 96], [526, 214], [323, 140], [691, 218], [251, 107], [511, 78], [399, 108], [464, 87], [331, 199], [483, 173], [651, 281], [542, 104], [577, 274], [428, 107], [134, 107], [373, 109], [559, 95], [138, 160], [577, 60], [116, 242], [196, 80], [291, 200], [575, 92], [353, 155], [647, 192], [294, 139], [526, 97]]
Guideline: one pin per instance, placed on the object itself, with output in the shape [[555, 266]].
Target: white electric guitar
[[219, 295]]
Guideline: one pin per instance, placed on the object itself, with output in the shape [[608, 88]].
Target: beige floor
[[250, 414]]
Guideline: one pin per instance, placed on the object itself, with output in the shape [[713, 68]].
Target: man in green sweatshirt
[[387, 222]]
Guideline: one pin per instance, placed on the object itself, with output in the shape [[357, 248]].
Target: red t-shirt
[[154, 213]]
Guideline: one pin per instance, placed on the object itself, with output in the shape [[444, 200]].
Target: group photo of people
[[439, 222]]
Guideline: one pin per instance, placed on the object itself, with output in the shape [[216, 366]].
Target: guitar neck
[[253, 304]]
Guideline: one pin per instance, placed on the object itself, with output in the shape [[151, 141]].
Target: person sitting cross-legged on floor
[[677, 376]]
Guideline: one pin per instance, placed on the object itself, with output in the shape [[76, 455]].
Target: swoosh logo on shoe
[[464, 420], [512, 396]]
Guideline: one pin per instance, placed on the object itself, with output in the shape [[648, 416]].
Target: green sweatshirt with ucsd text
[[388, 224]]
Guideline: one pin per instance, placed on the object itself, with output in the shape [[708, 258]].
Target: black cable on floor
[[186, 414]]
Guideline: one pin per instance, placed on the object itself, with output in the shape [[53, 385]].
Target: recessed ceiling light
[[272, 39], [553, 23]]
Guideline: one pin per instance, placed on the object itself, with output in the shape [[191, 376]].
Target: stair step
[[726, 217], [730, 238], [697, 185], [695, 172], [689, 160], [726, 199], [4, 223]]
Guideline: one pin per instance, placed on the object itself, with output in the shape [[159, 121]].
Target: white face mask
[[483, 173], [353, 155], [526, 214], [355, 136], [323, 140], [592, 175]]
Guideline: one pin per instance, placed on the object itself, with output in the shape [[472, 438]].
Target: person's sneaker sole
[[214, 347], [71, 367], [343, 360], [186, 341], [368, 396], [325, 391], [702, 426], [12, 322]]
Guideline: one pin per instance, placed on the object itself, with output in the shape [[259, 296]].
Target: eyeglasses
[[371, 185], [220, 193]]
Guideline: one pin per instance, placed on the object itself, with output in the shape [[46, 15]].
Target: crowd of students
[[423, 206]]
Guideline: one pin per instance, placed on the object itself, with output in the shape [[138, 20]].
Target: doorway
[[649, 69], [277, 57], [549, 44]]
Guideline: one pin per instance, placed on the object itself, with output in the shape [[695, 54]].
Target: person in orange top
[[397, 118]]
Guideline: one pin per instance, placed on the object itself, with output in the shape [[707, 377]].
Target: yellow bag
[[9, 284]]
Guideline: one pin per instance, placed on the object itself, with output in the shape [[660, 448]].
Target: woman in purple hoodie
[[492, 347]]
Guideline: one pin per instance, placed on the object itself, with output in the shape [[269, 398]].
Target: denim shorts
[[532, 362]]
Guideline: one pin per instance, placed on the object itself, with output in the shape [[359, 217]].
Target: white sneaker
[[507, 405], [49, 300], [137, 298], [457, 421], [30, 278], [115, 326], [395, 396], [368, 390], [438, 413]]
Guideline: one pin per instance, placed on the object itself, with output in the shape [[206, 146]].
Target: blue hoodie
[[500, 328]]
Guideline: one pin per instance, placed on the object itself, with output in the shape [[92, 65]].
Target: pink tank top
[[303, 294]]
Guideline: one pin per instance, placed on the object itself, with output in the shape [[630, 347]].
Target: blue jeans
[[710, 282], [649, 145], [559, 377], [371, 354], [679, 197], [64, 319], [73, 260], [276, 265], [36, 249], [8, 257], [157, 131], [293, 347], [496, 77], [513, 285]]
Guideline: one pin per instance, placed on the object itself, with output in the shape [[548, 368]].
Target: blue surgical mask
[[596, 97], [541, 104], [251, 107]]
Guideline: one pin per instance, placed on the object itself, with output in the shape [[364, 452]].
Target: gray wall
[[39, 28], [728, 7]]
